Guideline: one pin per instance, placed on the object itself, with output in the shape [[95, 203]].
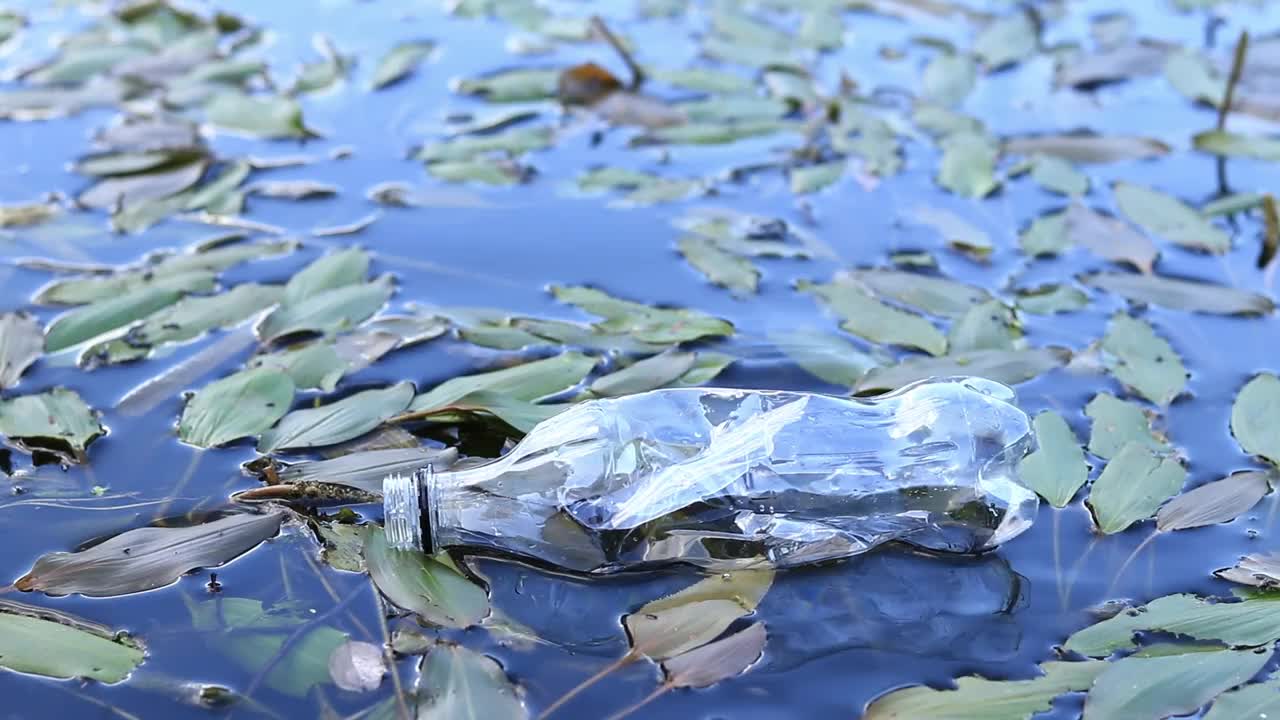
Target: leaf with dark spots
[[240, 405], [149, 557], [56, 420], [103, 316], [21, 344], [1178, 294], [1216, 502]]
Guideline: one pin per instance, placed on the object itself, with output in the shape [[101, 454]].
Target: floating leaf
[[1051, 299], [328, 312], [958, 232], [1190, 295], [1124, 62], [705, 368], [513, 85], [519, 414], [1212, 503], [1085, 148], [949, 78], [968, 164], [103, 316], [721, 267], [1191, 74], [455, 682], [516, 141], [1143, 360], [648, 374], [1117, 423], [1229, 144], [826, 355], [1046, 235], [292, 189], [1007, 40], [357, 666], [432, 587], [1005, 366], [338, 421], [1158, 687], [1256, 701], [489, 171], [57, 419], [270, 117], [314, 365], [366, 469], [56, 645], [527, 382], [703, 80], [1132, 486], [329, 272], [989, 326], [1057, 175], [1250, 623], [239, 405], [867, 317], [812, 178], [1231, 204], [716, 661], [977, 698], [1169, 217], [1255, 415], [1259, 570], [131, 190], [643, 322], [148, 557], [1056, 470], [21, 344], [343, 545], [1109, 238], [400, 62], [697, 615]]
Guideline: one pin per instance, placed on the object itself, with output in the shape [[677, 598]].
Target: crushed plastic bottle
[[714, 477]]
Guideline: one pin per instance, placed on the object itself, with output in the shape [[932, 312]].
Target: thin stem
[[637, 74], [95, 701], [402, 709], [623, 661], [181, 485], [1057, 557], [1075, 570], [1129, 560], [664, 687], [1237, 68], [293, 639], [333, 594]]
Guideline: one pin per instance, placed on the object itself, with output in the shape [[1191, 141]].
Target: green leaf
[[240, 405], [989, 326], [484, 170], [949, 78], [1007, 40], [1143, 360], [270, 117], [1216, 502], [958, 232], [1117, 423], [648, 374], [56, 419], [1229, 144], [977, 698], [329, 272], [1088, 148], [1132, 486], [706, 366], [969, 164], [698, 614], [52, 644], [702, 79], [516, 141], [643, 322], [129, 162], [1051, 299], [519, 414], [1190, 295], [148, 557], [1191, 74], [21, 344], [1057, 175], [1158, 687], [529, 382], [513, 85], [1056, 470], [338, 421], [1251, 623], [1231, 204], [1252, 702], [314, 365], [400, 62], [717, 661], [455, 682], [1005, 366], [716, 133], [1109, 238], [807, 179], [867, 317], [432, 587], [328, 312], [1046, 235], [719, 266], [1168, 217], [252, 636], [735, 108], [825, 355], [103, 316], [1255, 416]]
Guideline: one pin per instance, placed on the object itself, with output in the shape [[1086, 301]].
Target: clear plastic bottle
[[716, 477]]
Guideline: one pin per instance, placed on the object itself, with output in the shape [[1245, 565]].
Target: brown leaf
[[717, 661], [1216, 502], [1110, 238], [586, 84]]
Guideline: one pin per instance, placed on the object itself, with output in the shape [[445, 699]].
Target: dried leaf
[[103, 316], [1220, 501], [717, 661]]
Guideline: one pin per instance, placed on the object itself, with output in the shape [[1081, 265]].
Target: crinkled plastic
[[717, 477]]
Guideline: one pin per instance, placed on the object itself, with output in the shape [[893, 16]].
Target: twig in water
[[294, 637], [1237, 68], [621, 662], [637, 73]]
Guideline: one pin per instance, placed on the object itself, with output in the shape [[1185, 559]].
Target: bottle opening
[[402, 510]]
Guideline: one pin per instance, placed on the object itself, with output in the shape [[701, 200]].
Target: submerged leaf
[[1190, 295], [1005, 366], [1220, 501], [1158, 687], [1255, 417], [366, 469], [977, 698], [1169, 217], [455, 682], [357, 666], [691, 618], [148, 557], [21, 344], [1143, 360], [56, 419], [827, 356], [716, 661], [1132, 486], [430, 586], [52, 644], [1056, 470], [240, 405], [338, 421], [867, 317]]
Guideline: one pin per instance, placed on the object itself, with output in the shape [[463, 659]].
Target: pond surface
[[839, 635]]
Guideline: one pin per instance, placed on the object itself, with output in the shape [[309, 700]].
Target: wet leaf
[[430, 586], [646, 323], [637, 109], [400, 62], [968, 164], [338, 421], [27, 214], [717, 661], [691, 618], [1051, 299], [648, 374], [706, 367], [949, 78], [1109, 238], [1168, 217], [1088, 149], [869, 318], [1046, 235], [1057, 175], [240, 405], [1117, 423], [1250, 623], [366, 469], [52, 644], [1231, 204], [270, 117], [515, 85], [148, 557], [131, 190], [292, 189], [932, 294], [343, 545], [335, 270], [703, 80], [1220, 501], [1007, 40], [977, 698], [516, 141], [1124, 62], [56, 419], [103, 316], [528, 382], [314, 365], [1158, 687], [1006, 366], [357, 666], [1057, 469], [130, 162], [1256, 701], [719, 266], [339, 309], [1177, 294], [958, 232], [827, 356], [1132, 486], [1191, 74], [519, 414], [989, 326], [355, 226], [812, 178], [487, 171], [1143, 360], [21, 344], [455, 682], [1255, 415], [1229, 144], [714, 133], [1259, 570]]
